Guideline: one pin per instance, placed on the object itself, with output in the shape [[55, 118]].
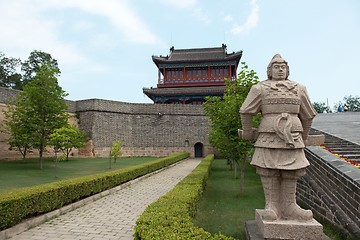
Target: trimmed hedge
[[170, 217], [32, 201]]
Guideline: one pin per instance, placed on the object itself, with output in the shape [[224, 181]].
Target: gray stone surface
[[345, 125], [144, 129], [288, 229], [113, 216], [253, 232]]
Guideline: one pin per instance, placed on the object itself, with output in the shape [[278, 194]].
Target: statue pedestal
[[283, 229]]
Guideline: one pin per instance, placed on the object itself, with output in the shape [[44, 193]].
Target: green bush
[[170, 217], [32, 201]]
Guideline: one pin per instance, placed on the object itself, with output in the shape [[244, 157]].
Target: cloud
[[250, 22], [199, 13], [181, 4], [228, 18], [24, 30], [28, 25], [188, 5], [119, 13]]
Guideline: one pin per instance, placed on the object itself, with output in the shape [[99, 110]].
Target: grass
[[25, 173], [222, 207]]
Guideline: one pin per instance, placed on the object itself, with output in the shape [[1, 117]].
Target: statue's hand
[[249, 134]]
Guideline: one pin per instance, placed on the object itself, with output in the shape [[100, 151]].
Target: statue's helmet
[[277, 59]]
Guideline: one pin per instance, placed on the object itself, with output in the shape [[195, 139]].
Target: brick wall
[[6, 95], [157, 129], [331, 189]]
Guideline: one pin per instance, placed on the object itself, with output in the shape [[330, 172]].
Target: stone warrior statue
[[279, 157]]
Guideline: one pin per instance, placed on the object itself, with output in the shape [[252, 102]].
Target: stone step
[[341, 145], [340, 151], [345, 149], [351, 156]]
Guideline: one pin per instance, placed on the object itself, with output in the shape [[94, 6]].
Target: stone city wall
[[155, 129], [7, 96], [144, 129], [331, 189], [5, 153]]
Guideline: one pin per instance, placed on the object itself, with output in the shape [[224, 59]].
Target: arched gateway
[[198, 147]]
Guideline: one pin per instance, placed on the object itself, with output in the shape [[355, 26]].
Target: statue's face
[[279, 71]]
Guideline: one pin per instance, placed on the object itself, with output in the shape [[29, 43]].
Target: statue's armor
[[287, 114], [279, 155], [280, 126]]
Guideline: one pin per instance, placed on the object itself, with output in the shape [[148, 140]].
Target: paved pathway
[[113, 216], [345, 125]]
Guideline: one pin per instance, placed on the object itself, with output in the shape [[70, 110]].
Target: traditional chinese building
[[187, 76]]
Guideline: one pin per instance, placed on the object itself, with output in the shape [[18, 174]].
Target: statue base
[[283, 229]]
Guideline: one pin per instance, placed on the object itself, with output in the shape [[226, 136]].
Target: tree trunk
[[41, 151], [242, 174], [235, 169], [230, 163], [41, 148], [23, 152], [67, 154], [41, 157]]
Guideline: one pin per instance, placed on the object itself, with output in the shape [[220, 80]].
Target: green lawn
[[222, 208], [19, 173]]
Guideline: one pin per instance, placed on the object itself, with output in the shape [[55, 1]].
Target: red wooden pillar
[[230, 73], [209, 73]]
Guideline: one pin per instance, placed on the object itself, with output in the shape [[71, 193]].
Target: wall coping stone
[[345, 169], [101, 105]]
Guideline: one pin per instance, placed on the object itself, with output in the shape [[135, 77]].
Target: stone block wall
[[155, 129], [331, 189], [6, 96]]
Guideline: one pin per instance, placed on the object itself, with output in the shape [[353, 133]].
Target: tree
[[320, 107], [116, 150], [17, 124], [225, 119], [40, 109], [352, 102], [35, 61], [66, 138], [9, 77]]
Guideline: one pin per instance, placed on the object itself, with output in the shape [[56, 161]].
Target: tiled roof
[[213, 90], [197, 54]]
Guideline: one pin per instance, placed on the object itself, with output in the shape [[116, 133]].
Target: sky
[[104, 48]]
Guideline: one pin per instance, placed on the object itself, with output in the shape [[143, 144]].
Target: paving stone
[[113, 216]]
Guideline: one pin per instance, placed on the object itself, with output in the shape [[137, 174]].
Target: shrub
[[32, 201], [170, 217]]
